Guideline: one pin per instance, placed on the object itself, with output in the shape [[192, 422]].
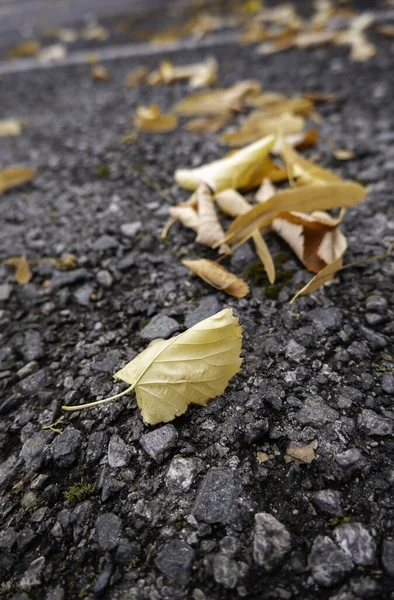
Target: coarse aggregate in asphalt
[[114, 509]]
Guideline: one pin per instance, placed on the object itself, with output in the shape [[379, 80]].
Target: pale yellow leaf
[[191, 368], [13, 176], [322, 277], [136, 76], [209, 231], [10, 127], [95, 32], [235, 171], [343, 154], [312, 39], [218, 277], [264, 255], [259, 124], [100, 73], [232, 203], [300, 452], [304, 139], [265, 191], [217, 102], [303, 199], [151, 120], [52, 53], [302, 171], [22, 269], [187, 215], [203, 125], [198, 74]]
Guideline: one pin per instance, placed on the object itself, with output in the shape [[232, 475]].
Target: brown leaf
[[217, 102], [10, 127], [322, 277], [22, 269], [321, 97], [387, 30], [66, 263], [151, 120], [100, 73], [24, 49], [13, 176], [300, 452], [136, 76], [315, 238], [217, 276]]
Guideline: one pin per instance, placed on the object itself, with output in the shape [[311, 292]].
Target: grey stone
[[329, 501], [175, 561], [7, 539], [295, 351], [32, 577], [328, 563], [388, 556], [365, 587], [229, 545], [104, 278], [207, 307], [387, 383], [66, 446], [108, 531], [159, 442], [125, 551], [160, 326], [271, 541], [105, 242], [118, 453], [83, 294], [350, 460], [127, 261], [5, 291], [32, 347], [131, 229], [225, 571], [375, 340], [347, 396], [241, 258], [33, 450], [357, 542], [66, 278], [181, 473], [110, 487], [217, 497], [96, 446], [376, 304], [316, 412], [327, 318], [374, 424], [102, 580]]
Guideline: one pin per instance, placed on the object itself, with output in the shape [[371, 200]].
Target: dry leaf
[[136, 76], [313, 39], [191, 368], [217, 102], [22, 269], [315, 238], [198, 74], [299, 452], [387, 30], [343, 154], [305, 199], [262, 457], [150, 119], [236, 171], [302, 171], [218, 277], [66, 263], [274, 104], [203, 125], [360, 48], [13, 176], [52, 53], [100, 73], [129, 137], [300, 141], [272, 47], [321, 97], [99, 33], [209, 230], [24, 49], [322, 277], [10, 127], [259, 124], [265, 191]]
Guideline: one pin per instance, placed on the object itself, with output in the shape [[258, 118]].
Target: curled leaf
[[217, 102], [209, 230], [218, 277], [322, 277], [136, 76], [236, 171], [22, 269], [191, 368], [198, 74], [150, 119], [13, 176]]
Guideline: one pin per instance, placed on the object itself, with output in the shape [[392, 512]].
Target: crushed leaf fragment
[[23, 273]]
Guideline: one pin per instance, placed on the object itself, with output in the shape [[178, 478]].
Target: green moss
[[335, 521], [135, 561], [103, 171], [79, 491], [7, 589]]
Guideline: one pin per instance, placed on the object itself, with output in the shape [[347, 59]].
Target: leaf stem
[[89, 404]]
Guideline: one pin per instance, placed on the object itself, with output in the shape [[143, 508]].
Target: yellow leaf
[[136, 76], [259, 124], [343, 154], [322, 277], [299, 452], [312, 39], [265, 191], [191, 368], [100, 73], [151, 120], [304, 139], [10, 127], [95, 32], [302, 171], [22, 269], [264, 255], [236, 171], [13, 176], [187, 215], [217, 102], [198, 74], [315, 238], [24, 49], [304, 199], [52, 53], [66, 263], [209, 231], [218, 277], [203, 125]]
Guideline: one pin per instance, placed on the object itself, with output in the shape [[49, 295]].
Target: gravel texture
[[115, 509]]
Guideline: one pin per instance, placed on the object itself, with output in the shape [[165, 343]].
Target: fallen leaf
[[198, 74], [387, 30], [275, 46], [300, 141], [313, 39], [304, 199], [321, 97], [360, 48], [24, 49], [217, 102], [209, 230], [218, 277], [191, 368], [258, 124], [274, 104], [13, 176], [95, 32], [343, 154], [52, 53], [22, 269], [300, 452], [302, 171], [322, 277], [100, 73], [150, 119], [262, 457], [203, 125], [66, 263], [236, 171], [129, 137], [10, 127], [265, 191], [315, 238], [136, 76], [91, 58]]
